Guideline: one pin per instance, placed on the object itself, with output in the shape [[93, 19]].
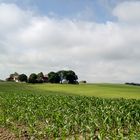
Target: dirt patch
[[6, 135]]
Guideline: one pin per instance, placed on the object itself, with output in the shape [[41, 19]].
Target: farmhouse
[[13, 77]]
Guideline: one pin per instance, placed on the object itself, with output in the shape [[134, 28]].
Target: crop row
[[60, 116]]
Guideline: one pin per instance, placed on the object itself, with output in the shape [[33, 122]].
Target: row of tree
[[62, 76], [133, 84]]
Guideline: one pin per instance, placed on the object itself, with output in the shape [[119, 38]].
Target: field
[[86, 111]]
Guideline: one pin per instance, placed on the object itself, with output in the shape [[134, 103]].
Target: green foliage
[[32, 78], [53, 77], [40, 77], [49, 114], [61, 74], [70, 76], [22, 78]]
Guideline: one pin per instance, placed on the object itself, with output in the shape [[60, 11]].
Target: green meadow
[[62, 111], [96, 90]]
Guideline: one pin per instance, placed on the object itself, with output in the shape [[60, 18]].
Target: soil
[[7, 135]]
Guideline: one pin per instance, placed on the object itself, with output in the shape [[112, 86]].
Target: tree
[[40, 77], [32, 78], [68, 76], [22, 78], [71, 77], [62, 74], [53, 77]]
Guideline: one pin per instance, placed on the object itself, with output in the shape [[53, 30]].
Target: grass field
[[97, 90], [55, 111]]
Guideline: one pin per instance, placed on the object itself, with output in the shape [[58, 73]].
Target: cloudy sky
[[98, 39]]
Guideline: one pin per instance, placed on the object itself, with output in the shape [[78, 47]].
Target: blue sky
[[71, 9], [96, 10], [98, 39]]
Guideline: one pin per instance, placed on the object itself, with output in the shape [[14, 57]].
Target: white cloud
[[98, 52], [12, 17], [128, 11]]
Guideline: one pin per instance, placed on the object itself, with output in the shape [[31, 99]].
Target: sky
[[98, 39]]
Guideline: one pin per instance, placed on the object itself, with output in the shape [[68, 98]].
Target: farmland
[[86, 111]]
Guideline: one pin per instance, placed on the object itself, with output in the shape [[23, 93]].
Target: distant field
[[55, 111], [97, 90]]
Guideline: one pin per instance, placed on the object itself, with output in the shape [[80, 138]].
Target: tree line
[[62, 76]]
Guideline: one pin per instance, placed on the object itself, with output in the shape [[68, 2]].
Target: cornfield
[[69, 117]]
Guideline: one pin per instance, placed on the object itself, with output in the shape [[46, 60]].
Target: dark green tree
[[32, 78], [53, 77], [62, 74], [22, 78], [71, 77], [40, 77]]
